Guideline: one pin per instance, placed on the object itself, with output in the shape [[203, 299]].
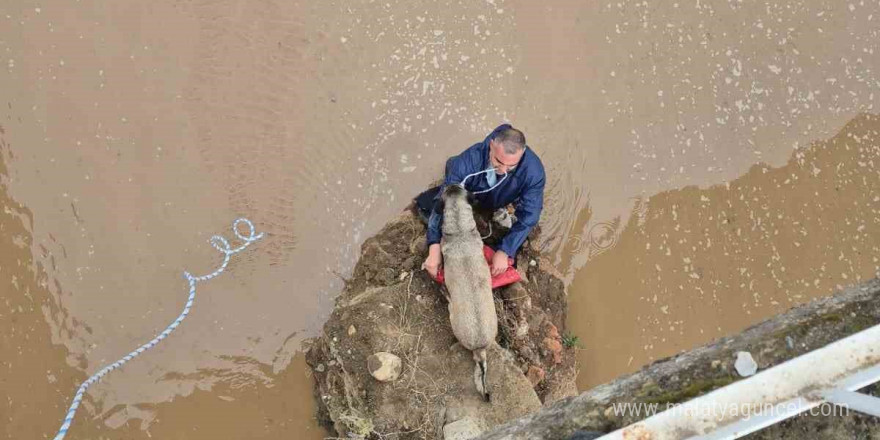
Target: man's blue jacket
[[524, 186]]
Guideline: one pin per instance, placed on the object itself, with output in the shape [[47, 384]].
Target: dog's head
[[453, 191], [456, 192], [455, 204]]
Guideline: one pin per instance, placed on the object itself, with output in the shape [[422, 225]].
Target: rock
[[405, 311], [385, 367], [611, 413], [462, 429], [320, 368], [745, 365], [533, 263], [716, 363], [455, 412], [535, 375], [555, 349], [552, 331], [561, 385], [522, 329], [529, 355]]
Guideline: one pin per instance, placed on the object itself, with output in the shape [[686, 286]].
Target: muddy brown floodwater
[[707, 167]]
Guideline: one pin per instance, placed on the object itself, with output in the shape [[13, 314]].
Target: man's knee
[[425, 203]]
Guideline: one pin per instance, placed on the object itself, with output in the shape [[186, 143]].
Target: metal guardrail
[[828, 375]]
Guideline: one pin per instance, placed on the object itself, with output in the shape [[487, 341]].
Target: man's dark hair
[[513, 140]]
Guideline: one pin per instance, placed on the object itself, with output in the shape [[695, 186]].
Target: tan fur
[[468, 280]]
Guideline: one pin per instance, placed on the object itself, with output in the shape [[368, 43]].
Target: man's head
[[506, 149]]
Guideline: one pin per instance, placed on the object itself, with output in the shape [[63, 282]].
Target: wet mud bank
[[687, 375], [389, 305]]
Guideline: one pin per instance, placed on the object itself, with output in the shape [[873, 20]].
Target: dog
[[468, 282]]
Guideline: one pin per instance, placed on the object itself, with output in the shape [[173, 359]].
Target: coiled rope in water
[[221, 245]]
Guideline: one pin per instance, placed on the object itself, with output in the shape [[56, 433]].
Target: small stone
[[533, 263], [462, 429], [522, 329], [331, 363], [320, 368], [351, 330], [535, 375], [552, 331], [716, 363], [610, 412], [789, 342], [403, 276], [745, 365], [384, 366]]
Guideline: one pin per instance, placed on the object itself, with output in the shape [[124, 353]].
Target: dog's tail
[[483, 384]]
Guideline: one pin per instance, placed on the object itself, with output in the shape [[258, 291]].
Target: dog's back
[[471, 306]]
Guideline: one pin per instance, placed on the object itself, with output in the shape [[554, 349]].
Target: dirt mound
[[391, 305]]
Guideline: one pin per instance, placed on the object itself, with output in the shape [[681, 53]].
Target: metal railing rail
[[828, 375]]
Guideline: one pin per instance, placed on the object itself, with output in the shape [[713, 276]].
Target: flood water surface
[[708, 166]]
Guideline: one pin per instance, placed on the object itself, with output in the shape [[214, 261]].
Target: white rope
[[221, 245]]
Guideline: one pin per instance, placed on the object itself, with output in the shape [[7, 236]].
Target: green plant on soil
[[570, 341]]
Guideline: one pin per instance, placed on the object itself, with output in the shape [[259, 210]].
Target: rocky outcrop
[[390, 306]]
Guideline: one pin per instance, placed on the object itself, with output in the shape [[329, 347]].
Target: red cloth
[[509, 276]]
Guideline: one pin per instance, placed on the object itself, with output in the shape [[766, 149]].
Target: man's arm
[[528, 211], [455, 172]]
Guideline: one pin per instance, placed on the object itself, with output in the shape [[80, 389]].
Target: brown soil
[[390, 305]]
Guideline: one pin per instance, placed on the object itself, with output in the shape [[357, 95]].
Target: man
[[498, 171]]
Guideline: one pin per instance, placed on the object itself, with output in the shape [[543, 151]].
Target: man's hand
[[435, 258], [499, 263]]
